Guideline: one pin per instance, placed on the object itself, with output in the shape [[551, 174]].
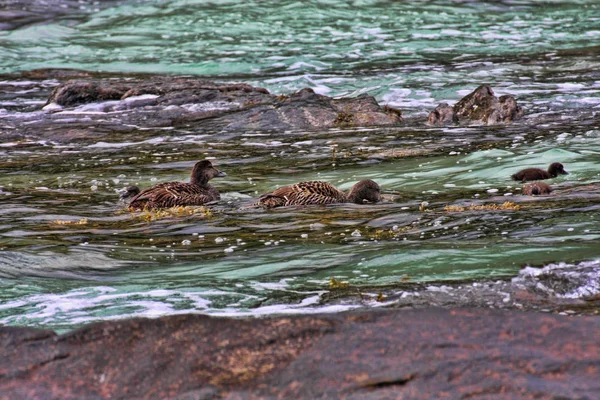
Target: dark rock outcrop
[[184, 100], [480, 105], [415, 354]]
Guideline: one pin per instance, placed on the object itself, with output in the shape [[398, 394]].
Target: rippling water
[[107, 263]]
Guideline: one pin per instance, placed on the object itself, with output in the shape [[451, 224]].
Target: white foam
[[563, 279]]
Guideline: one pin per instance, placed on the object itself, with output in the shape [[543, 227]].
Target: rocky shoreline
[[412, 354], [412, 349]]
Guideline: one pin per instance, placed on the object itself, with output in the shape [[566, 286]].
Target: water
[[70, 254]]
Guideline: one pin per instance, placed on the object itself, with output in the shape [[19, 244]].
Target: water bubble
[[220, 240], [186, 242], [356, 233], [304, 236]]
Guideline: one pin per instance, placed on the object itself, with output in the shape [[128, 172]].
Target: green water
[[243, 261]]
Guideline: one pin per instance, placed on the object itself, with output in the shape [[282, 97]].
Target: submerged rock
[[480, 105], [433, 353]]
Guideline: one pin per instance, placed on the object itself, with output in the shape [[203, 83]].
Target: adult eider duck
[[171, 194], [536, 189], [319, 192], [536, 174]]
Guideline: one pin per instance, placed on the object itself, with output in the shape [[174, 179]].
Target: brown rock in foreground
[[416, 354]]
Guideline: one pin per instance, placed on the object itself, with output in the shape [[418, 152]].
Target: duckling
[[534, 174], [536, 189], [171, 194], [319, 192]]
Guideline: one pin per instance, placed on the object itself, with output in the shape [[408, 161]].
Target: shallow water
[[108, 263]]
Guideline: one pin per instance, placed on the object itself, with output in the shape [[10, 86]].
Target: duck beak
[[221, 174], [564, 172]]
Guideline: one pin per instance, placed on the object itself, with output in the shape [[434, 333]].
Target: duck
[[171, 194], [537, 188], [535, 174], [320, 192]]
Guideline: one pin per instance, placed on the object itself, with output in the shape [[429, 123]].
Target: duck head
[[365, 191], [203, 172], [130, 192], [556, 169]]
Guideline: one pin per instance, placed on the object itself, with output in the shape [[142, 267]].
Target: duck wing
[[303, 193], [172, 194]]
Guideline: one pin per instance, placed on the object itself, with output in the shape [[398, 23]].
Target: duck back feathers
[[170, 194], [319, 193]]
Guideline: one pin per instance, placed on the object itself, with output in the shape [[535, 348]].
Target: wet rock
[[182, 101], [442, 115], [477, 105], [306, 109], [75, 93], [480, 105], [430, 353], [506, 111]]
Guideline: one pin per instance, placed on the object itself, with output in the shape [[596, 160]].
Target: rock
[[76, 93], [181, 101], [477, 105], [307, 110], [507, 110], [480, 105], [442, 115], [427, 353]]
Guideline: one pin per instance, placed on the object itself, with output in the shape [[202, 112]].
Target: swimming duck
[[534, 174], [537, 188], [171, 194], [319, 192]]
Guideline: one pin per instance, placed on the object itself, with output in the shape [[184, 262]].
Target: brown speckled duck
[[171, 194], [536, 174], [319, 192], [536, 189]]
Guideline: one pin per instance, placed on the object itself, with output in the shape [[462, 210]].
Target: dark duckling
[[319, 192], [536, 189], [171, 194], [536, 174]]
